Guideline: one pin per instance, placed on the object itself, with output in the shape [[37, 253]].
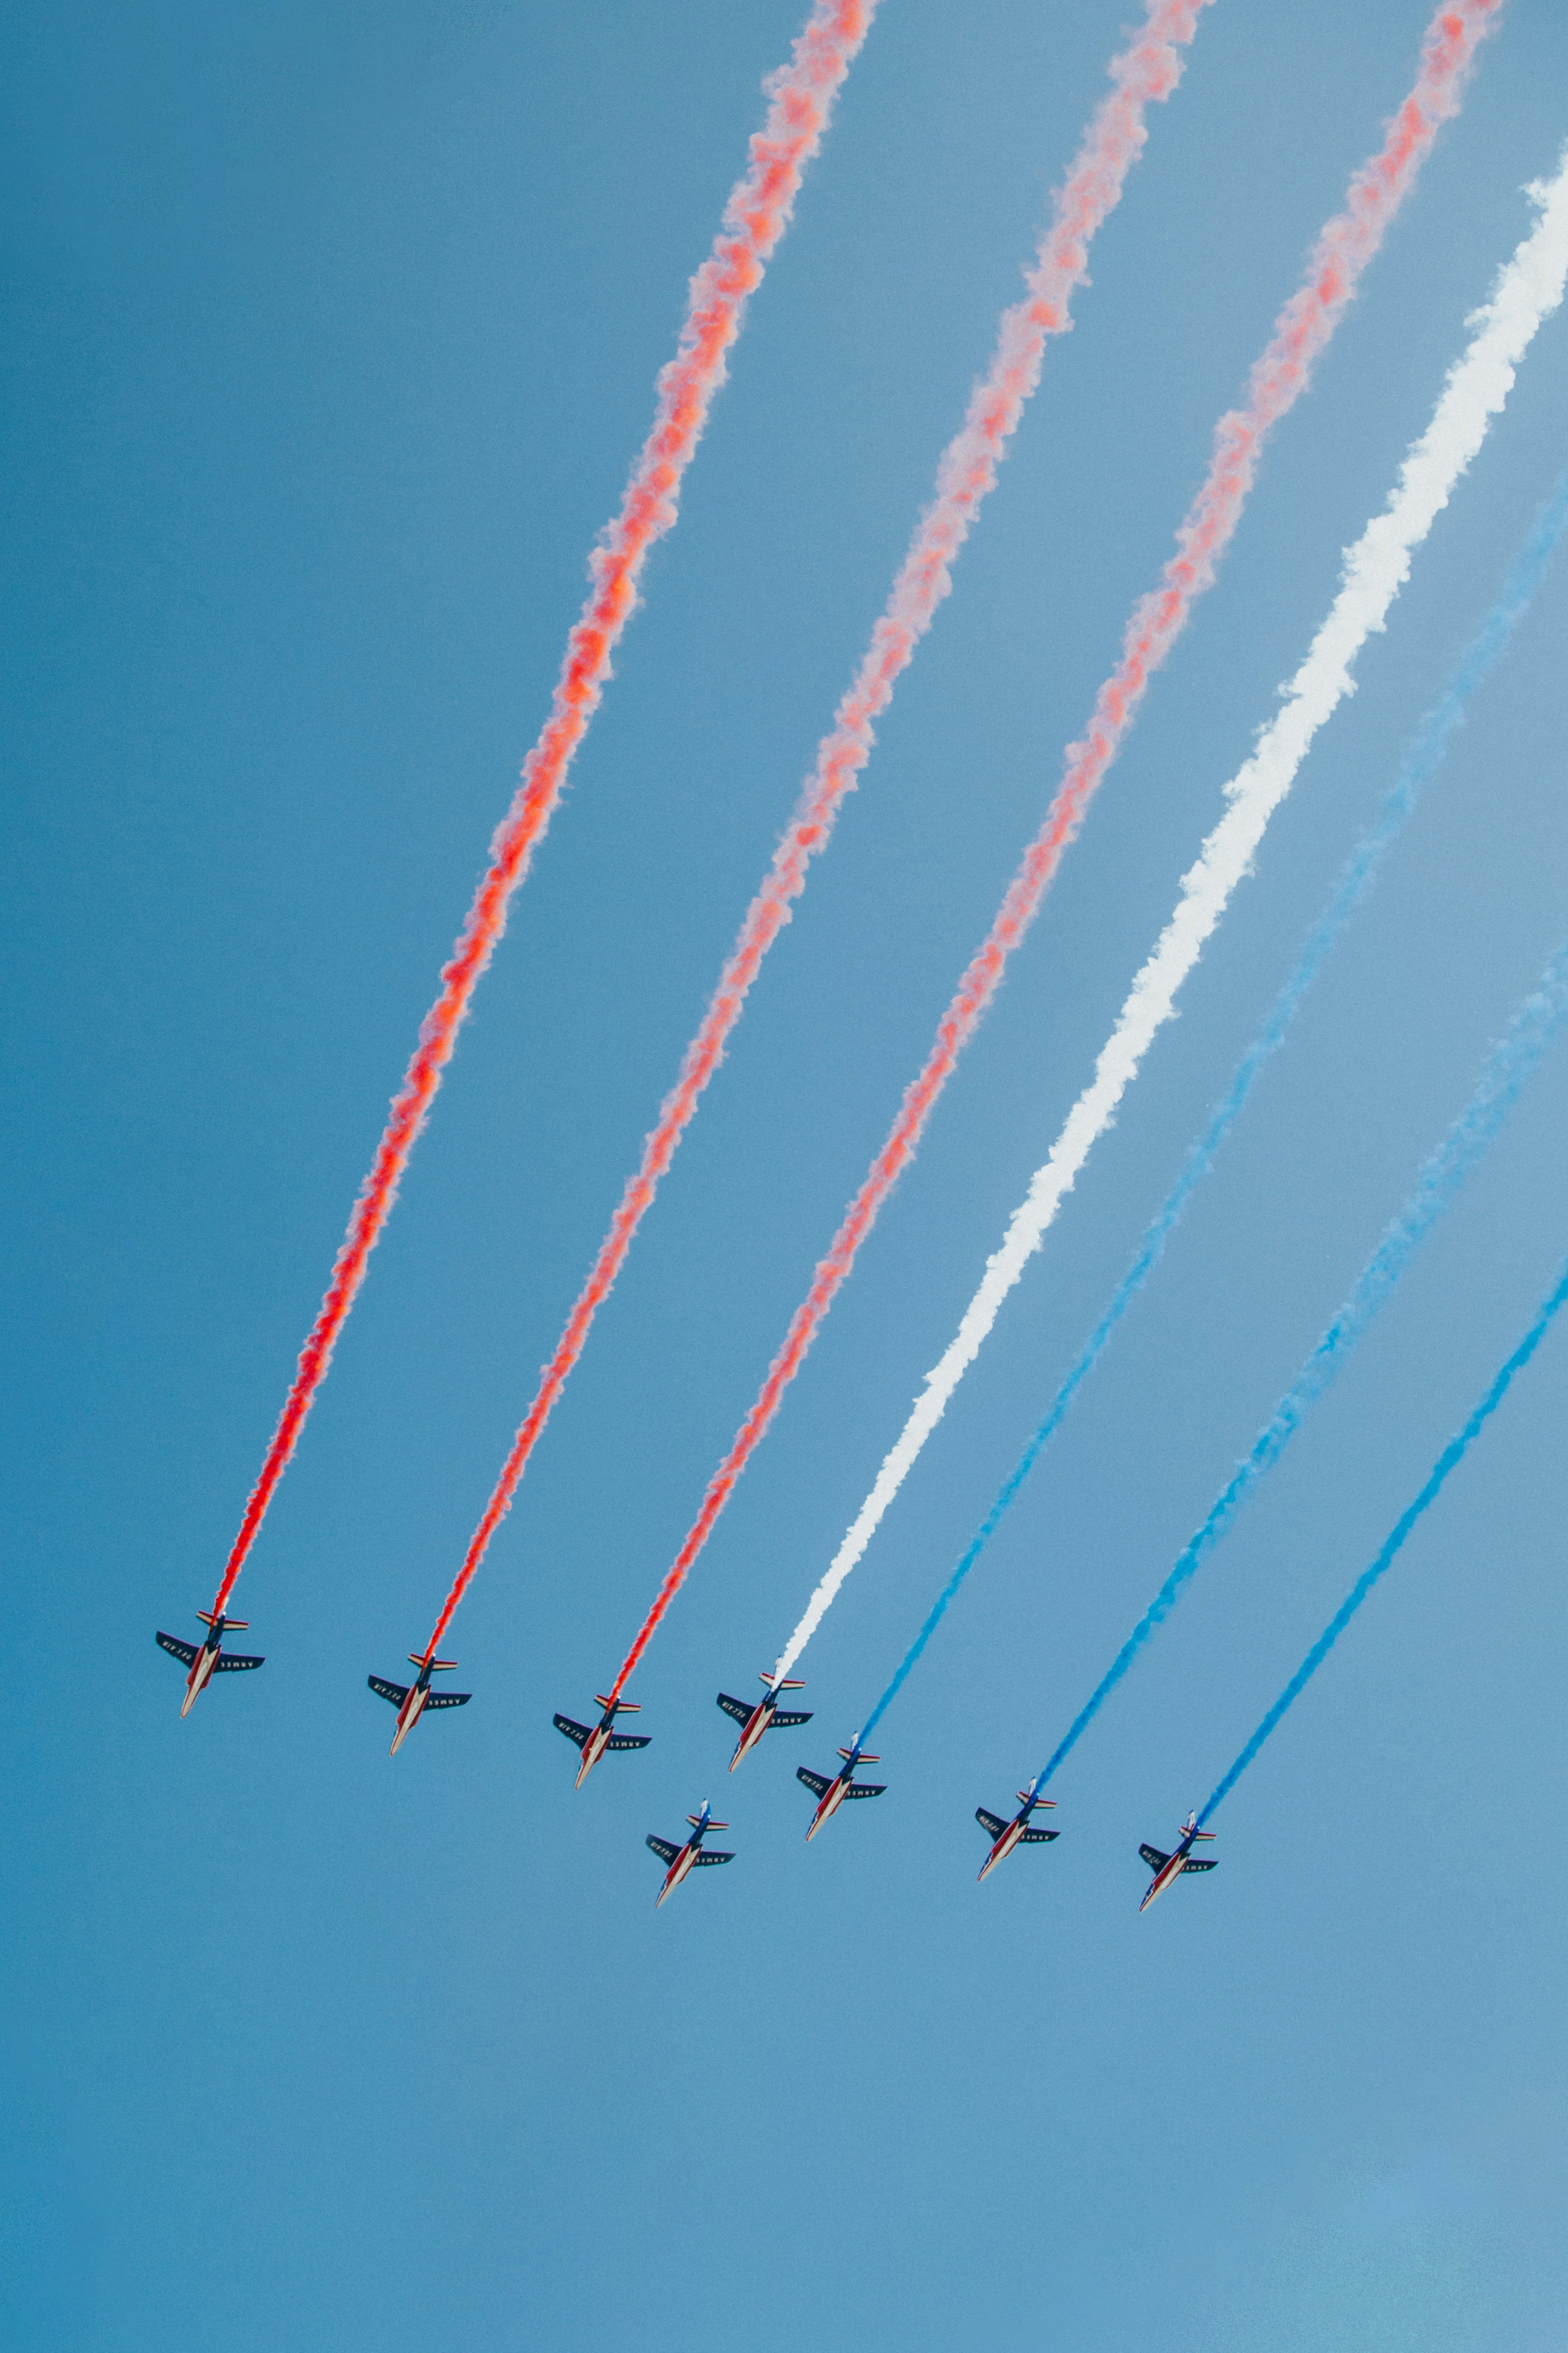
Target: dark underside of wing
[[1154, 1858], [1200, 1862], [185, 1651], [865, 1789], [449, 1699], [817, 1783], [235, 1662], [992, 1824], [703, 1856], [1035, 1838], [575, 1733], [628, 1740], [787, 1715], [664, 1848], [395, 1692], [738, 1708]]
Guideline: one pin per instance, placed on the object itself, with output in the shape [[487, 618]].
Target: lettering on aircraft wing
[[185, 1651], [1154, 1858], [735, 1708], [703, 1856], [787, 1716], [663, 1850], [449, 1699], [1032, 1838], [815, 1782], [1200, 1862], [395, 1692], [575, 1733], [991, 1823], [864, 1789], [230, 1660]]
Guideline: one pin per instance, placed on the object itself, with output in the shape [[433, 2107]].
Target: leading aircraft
[[830, 1794], [208, 1659], [754, 1721], [684, 1859], [595, 1739], [1019, 1831], [1166, 1867], [411, 1700]]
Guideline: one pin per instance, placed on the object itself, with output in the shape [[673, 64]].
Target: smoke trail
[[1510, 1065], [1148, 70], [801, 97], [1452, 1455], [1355, 881], [1279, 376], [1529, 288]]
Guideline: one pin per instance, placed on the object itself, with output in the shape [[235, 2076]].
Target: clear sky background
[[330, 333]]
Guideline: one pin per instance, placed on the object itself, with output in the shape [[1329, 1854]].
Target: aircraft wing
[[185, 1651], [664, 1848], [395, 1692], [628, 1740], [447, 1699], [992, 1824], [230, 1662], [792, 1716], [817, 1783], [575, 1733], [739, 1708], [1200, 1862], [1154, 1858], [703, 1856], [1033, 1837], [865, 1789]]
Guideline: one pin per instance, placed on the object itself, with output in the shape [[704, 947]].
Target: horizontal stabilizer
[[234, 1662], [1034, 1838], [449, 1699], [575, 1733], [237, 1625], [992, 1824], [664, 1848], [626, 1739], [788, 1715], [395, 1692], [865, 1757], [1154, 1858], [740, 1709], [864, 1789], [1200, 1862], [621, 1707], [817, 1783], [703, 1856], [185, 1651], [784, 1682]]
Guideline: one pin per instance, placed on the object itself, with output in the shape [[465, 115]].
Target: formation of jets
[[206, 1658]]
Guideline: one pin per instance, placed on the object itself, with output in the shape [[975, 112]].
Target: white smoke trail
[[1528, 288]]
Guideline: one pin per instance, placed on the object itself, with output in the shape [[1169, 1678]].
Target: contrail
[[1510, 1064], [1452, 1455], [1279, 376], [1360, 872], [1529, 288], [801, 95], [1149, 69]]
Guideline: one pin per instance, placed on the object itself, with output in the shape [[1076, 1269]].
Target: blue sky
[[329, 335]]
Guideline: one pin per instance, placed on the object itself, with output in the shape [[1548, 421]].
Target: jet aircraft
[[1166, 1867], [684, 1859], [1019, 1831], [208, 1659], [830, 1794], [595, 1739], [411, 1700], [754, 1721]]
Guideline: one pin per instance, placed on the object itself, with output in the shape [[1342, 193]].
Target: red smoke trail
[[1305, 326], [1149, 69], [755, 217]]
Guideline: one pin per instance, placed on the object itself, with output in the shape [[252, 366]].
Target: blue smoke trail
[[1420, 761], [1452, 1455], [1510, 1063]]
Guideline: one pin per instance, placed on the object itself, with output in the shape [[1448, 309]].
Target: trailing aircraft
[[754, 1721], [684, 1859], [830, 1794], [1166, 1867], [1019, 1831], [208, 1659], [411, 1700], [595, 1739]]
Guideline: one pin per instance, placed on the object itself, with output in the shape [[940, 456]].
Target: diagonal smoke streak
[[801, 97], [1512, 1063], [1356, 882], [1528, 288], [1453, 1454], [1148, 70], [1301, 331]]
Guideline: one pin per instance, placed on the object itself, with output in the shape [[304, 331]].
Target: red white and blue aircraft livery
[[595, 1739], [1166, 1867], [684, 1859], [754, 1721], [830, 1794], [411, 1700], [208, 1659], [1019, 1831]]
